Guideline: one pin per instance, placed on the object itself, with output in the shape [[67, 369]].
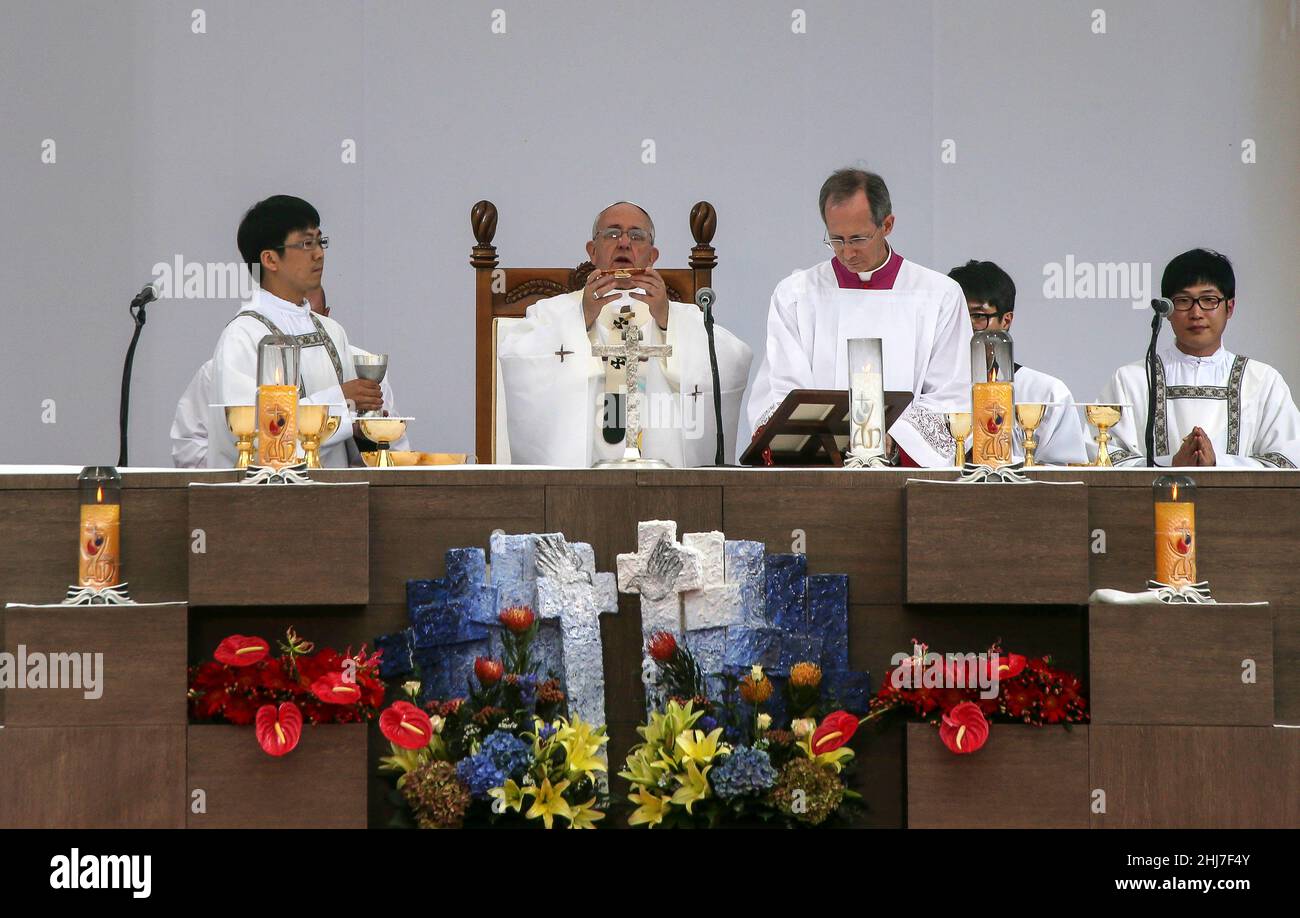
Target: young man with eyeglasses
[[281, 235], [991, 303], [1213, 407], [867, 290], [565, 406]]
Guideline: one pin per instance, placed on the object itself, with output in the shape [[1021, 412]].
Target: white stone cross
[[660, 571]]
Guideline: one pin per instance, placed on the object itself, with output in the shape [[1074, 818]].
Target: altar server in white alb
[[867, 290], [566, 407], [189, 433], [991, 302], [1213, 407], [283, 235]]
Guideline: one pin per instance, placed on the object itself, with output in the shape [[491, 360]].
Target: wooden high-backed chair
[[501, 295]]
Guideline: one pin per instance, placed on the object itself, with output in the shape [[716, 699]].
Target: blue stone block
[[513, 557], [548, 650], [749, 646], [396, 659], [466, 569], [778, 704], [744, 564], [511, 593], [709, 647], [478, 604], [847, 689], [828, 617], [786, 585], [445, 670], [423, 594], [798, 648]]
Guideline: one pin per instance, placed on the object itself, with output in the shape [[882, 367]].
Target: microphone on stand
[[1162, 306], [704, 298], [142, 299]]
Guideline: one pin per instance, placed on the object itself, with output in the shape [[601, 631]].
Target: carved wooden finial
[[483, 220], [704, 223]]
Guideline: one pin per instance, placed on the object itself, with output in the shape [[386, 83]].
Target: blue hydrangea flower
[[507, 753], [480, 775], [745, 771]]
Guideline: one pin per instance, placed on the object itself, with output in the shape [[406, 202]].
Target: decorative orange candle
[[277, 425], [1175, 503], [991, 407], [99, 559]]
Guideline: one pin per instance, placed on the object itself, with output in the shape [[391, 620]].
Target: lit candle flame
[[1175, 492], [99, 494]]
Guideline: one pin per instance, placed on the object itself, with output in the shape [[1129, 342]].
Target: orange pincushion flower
[[805, 675], [517, 619], [755, 692]]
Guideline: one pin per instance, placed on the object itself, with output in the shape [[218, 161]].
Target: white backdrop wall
[[1070, 142]]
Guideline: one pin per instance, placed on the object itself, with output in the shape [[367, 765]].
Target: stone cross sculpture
[[632, 351]]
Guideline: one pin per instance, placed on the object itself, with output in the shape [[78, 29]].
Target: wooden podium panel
[[92, 777], [141, 679], [1024, 777], [996, 543], [321, 784], [280, 544], [1180, 664], [1163, 777]]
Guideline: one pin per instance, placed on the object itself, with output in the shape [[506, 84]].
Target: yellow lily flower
[[651, 811], [550, 803], [582, 747], [640, 770], [510, 795], [585, 815], [835, 759], [694, 744], [694, 785], [403, 760]]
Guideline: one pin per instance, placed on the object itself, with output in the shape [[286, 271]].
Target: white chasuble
[[926, 332], [1243, 405], [555, 387], [324, 365]]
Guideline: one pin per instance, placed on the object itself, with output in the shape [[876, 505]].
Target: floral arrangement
[[246, 684], [944, 691], [707, 762], [504, 751]]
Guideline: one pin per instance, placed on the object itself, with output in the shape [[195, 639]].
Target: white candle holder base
[[115, 595], [265, 474], [856, 460], [985, 474], [1198, 593]]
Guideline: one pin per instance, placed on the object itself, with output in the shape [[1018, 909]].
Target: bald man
[[566, 407]]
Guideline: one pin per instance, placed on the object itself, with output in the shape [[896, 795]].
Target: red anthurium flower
[[662, 646], [278, 731], [1009, 665], [238, 650], [488, 671], [836, 729], [332, 688], [406, 725], [517, 619], [964, 729]]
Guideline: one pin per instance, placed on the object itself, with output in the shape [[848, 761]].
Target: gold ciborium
[[383, 431], [242, 421], [959, 426], [311, 430], [1029, 415], [1103, 417]]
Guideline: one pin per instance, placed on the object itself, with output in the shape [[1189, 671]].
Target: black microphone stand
[[1151, 391], [718, 458], [137, 314]]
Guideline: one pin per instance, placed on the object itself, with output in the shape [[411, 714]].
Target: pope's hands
[[363, 394], [655, 296], [598, 291]]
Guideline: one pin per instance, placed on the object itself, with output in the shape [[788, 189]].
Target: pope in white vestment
[[325, 364], [554, 386], [1243, 405], [919, 314]]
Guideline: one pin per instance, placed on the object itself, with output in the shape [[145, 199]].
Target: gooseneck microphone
[[1162, 306], [138, 303], [705, 298]]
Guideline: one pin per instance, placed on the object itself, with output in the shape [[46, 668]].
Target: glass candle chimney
[[99, 559], [1175, 505], [992, 398], [277, 401]]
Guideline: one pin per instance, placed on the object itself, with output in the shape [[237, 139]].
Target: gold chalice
[[1103, 417], [383, 431], [1030, 415], [311, 428], [959, 427], [242, 421]]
